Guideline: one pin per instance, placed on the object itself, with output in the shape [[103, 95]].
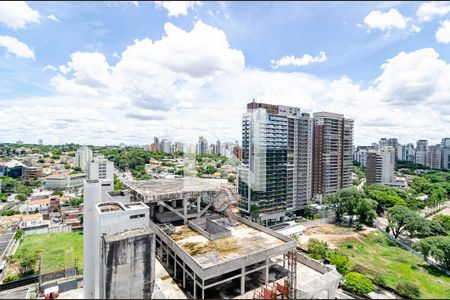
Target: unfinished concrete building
[[119, 246], [209, 253]]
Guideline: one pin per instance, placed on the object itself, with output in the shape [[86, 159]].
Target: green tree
[[317, 249], [58, 193], [366, 211], [437, 247], [231, 178], [22, 197], [358, 283], [408, 290], [399, 218], [3, 197], [340, 260]]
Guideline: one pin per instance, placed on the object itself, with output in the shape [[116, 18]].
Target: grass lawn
[[376, 256], [57, 250]]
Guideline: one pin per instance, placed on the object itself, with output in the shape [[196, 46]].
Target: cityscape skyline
[[98, 83]]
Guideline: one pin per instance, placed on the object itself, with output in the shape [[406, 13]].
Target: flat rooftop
[[172, 188], [244, 241]]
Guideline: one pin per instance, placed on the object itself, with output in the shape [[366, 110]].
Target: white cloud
[[53, 18], [443, 33], [415, 29], [16, 14], [49, 68], [181, 90], [16, 47], [290, 60], [385, 20], [429, 10], [177, 8]]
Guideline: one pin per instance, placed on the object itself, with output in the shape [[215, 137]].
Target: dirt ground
[[333, 234]]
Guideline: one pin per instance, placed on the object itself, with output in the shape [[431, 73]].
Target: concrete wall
[[209, 229], [129, 265], [45, 230]]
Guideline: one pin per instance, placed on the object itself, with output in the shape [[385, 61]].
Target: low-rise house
[[11, 222], [38, 205], [64, 180], [33, 220]]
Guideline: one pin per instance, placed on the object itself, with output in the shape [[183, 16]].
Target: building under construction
[[208, 250]]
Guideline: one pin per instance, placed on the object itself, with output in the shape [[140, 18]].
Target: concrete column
[[267, 272], [175, 265], [203, 289], [174, 203], [195, 287], [152, 211], [198, 205], [243, 280], [184, 275], [284, 260], [185, 211], [161, 209]]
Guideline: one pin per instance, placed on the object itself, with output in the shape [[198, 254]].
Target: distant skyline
[[112, 72]]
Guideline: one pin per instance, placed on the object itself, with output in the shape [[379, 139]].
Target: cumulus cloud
[[304, 60], [155, 74], [385, 20], [429, 10], [146, 93], [176, 8], [53, 18], [16, 47], [443, 33], [16, 14], [49, 68]]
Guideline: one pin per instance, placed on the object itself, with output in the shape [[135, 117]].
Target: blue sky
[[112, 72]]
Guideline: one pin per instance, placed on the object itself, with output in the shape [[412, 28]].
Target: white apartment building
[[101, 168], [421, 152], [445, 153], [83, 157], [381, 165]]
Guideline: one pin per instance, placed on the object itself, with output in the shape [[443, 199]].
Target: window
[[137, 216]]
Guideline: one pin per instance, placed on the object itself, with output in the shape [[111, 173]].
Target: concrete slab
[[166, 285], [244, 241], [72, 294]]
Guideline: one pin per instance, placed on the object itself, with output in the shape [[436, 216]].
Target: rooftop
[[170, 188], [244, 241]]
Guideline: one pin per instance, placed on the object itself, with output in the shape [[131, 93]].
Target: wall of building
[[129, 264]]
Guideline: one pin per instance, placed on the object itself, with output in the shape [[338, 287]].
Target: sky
[[123, 72]]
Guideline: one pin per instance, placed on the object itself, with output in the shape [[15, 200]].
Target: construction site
[[211, 252]]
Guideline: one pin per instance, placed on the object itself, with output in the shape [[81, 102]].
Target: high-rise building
[[381, 165], [434, 157], [202, 146], [101, 168], [408, 152], [40, 142], [383, 142], [218, 148], [178, 147], [275, 175], [237, 151], [156, 140], [445, 153], [83, 157], [421, 152], [361, 155], [333, 140], [165, 146], [393, 142]]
